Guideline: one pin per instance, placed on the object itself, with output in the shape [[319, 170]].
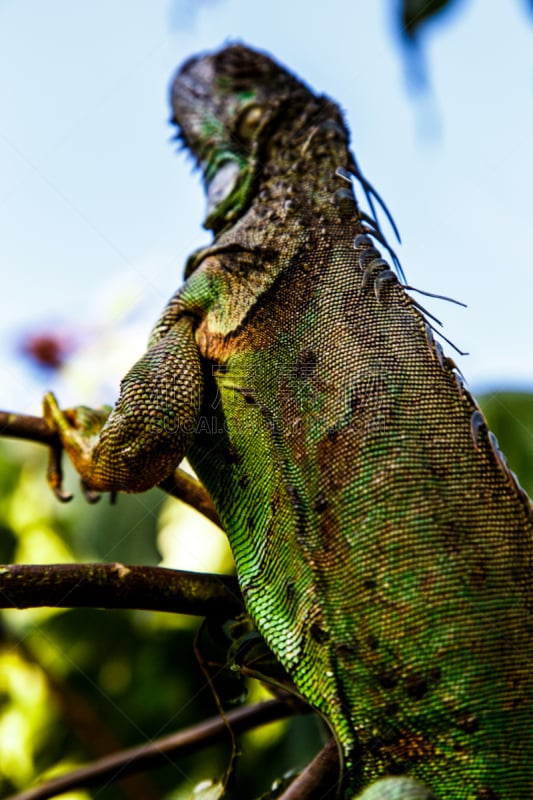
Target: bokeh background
[[97, 217]]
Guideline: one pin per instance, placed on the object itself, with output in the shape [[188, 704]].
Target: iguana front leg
[[143, 439]]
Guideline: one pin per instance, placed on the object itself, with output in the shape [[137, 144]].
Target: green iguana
[[382, 545]]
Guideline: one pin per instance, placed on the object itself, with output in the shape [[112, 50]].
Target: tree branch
[[23, 426], [157, 753], [320, 779], [119, 586]]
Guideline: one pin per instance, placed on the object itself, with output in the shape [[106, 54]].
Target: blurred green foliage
[[510, 418], [78, 684]]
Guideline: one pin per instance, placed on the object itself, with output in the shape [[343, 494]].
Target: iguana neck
[[303, 152]]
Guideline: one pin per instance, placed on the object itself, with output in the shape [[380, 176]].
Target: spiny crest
[[375, 269]]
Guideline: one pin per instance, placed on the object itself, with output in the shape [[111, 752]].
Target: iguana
[[382, 545]]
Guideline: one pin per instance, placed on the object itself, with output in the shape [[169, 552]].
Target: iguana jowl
[[383, 547]]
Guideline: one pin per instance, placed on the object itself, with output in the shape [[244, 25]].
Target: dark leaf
[[415, 12]]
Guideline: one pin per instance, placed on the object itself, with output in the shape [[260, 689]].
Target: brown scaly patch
[[403, 748]]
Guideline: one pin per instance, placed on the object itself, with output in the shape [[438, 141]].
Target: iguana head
[[224, 104]]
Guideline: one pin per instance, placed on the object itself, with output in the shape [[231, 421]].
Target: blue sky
[[98, 213]]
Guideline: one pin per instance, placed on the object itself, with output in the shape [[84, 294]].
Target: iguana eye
[[248, 123]]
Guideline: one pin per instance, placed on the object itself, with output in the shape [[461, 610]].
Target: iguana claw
[[74, 427], [54, 473], [90, 495]]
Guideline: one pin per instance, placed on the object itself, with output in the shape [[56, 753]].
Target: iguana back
[[383, 547]]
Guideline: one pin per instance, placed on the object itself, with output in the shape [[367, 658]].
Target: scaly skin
[[382, 546]]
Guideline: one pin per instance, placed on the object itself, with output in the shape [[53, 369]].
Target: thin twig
[[154, 754], [188, 489], [119, 586], [320, 779]]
